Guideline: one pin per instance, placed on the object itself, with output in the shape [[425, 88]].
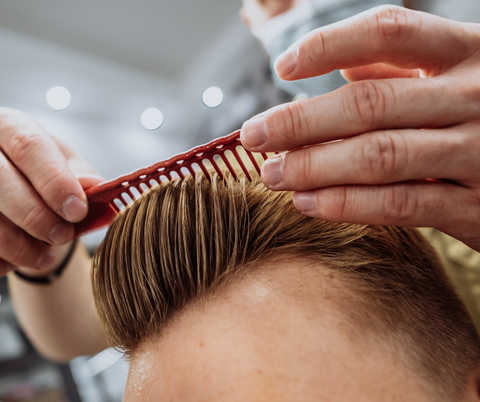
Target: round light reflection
[[212, 97], [152, 119], [58, 98]]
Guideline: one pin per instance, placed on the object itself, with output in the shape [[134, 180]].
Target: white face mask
[[279, 33]]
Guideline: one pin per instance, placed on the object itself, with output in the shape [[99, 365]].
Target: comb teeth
[[107, 199]]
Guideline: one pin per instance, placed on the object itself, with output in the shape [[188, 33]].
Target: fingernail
[[305, 201], [74, 209], [254, 132], [46, 260], [272, 171], [61, 234], [286, 63]]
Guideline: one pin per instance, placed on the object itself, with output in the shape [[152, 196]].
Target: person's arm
[[41, 182], [60, 318], [411, 146]]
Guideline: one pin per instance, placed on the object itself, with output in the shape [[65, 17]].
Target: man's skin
[[279, 334], [39, 174]]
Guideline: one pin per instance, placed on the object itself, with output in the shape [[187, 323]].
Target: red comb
[[107, 199]]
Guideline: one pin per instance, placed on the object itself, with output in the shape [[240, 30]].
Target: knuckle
[[380, 156], [34, 220], [313, 47], [338, 204], [317, 49], [293, 123], [23, 145], [367, 101], [393, 24], [343, 204], [399, 204], [305, 170]]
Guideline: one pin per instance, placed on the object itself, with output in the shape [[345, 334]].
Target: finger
[[32, 151], [17, 248], [5, 268], [378, 71], [386, 34], [22, 205], [411, 204], [89, 180], [375, 158], [84, 172], [76, 163], [358, 108]]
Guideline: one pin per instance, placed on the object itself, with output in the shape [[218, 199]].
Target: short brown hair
[[183, 239]]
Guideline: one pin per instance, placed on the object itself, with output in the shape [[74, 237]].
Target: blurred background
[[127, 84]]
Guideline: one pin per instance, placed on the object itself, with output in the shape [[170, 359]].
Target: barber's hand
[[410, 154], [40, 195]]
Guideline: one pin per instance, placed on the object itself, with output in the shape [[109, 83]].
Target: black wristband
[[52, 276]]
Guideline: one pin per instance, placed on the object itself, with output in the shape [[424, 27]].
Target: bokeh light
[[152, 119], [58, 98], [212, 97]]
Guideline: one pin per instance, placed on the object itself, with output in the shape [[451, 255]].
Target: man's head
[[223, 291]]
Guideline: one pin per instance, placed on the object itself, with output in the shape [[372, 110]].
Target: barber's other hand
[[40, 195], [410, 154]]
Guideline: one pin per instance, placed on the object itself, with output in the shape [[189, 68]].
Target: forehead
[[276, 336]]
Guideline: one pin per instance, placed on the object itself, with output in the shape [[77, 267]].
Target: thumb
[[88, 180]]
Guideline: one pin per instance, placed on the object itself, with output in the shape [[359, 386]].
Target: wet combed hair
[[180, 241]]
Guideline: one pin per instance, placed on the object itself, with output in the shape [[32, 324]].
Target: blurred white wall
[[103, 120], [459, 10]]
